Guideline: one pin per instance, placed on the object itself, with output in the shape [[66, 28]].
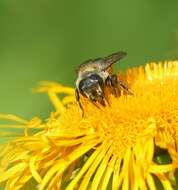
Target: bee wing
[[111, 59], [91, 64], [101, 64]]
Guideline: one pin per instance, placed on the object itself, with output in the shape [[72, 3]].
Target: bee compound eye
[[84, 84], [95, 77]]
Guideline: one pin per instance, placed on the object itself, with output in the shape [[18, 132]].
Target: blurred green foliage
[[47, 39]]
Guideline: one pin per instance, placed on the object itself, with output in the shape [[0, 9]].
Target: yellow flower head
[[114, 147]]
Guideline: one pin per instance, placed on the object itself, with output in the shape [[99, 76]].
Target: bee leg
[[105, 99], [125, 87], [93, 102], [102, 100], [77, 96], [113, 83]]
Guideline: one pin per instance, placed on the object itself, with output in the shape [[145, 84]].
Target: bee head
[[92, 87]]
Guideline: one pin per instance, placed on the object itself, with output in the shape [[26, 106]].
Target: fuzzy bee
[[95, 75]]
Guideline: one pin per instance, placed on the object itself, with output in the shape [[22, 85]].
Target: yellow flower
[[115, 147]]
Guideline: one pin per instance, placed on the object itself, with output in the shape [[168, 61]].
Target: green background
[[47, 39]]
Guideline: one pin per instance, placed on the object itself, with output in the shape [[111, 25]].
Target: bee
[[95, 75]]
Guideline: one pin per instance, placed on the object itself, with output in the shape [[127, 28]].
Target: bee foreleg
[[93, 102], [113, 83], [125, 87], [77, 96]]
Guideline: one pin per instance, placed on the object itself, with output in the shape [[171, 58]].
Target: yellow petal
[[85, 167], [165, 182], [161, 168], [13, 118], [33, 170], [100, 171], [12, 171], [93, 167], [57, 104], [62, 164], [107, 175], [150, 182]]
